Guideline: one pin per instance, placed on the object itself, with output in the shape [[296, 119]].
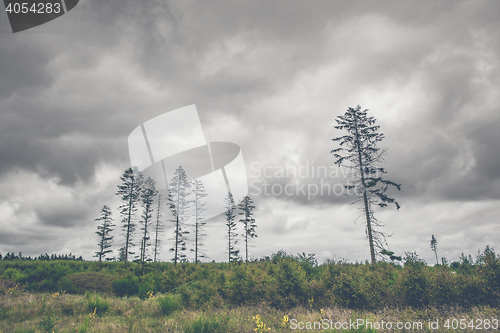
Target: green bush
[[283, 281], [44, 276], [206, 294], [239, 285], [415, 286], [12, 274], [128, 286], [65, 284], [489, 271], [186, 293], [471, 290], [169, 304], [97, 305], [146, 284], [443, 290], [289, 279], [347, 291], [92, 281]]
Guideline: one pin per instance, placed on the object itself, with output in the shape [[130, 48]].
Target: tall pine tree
[[362, 156], [158, 230], [104, 230], [148, 193], [233, 253], [130, 191], [199, 221], [179, 203], [246, 209]]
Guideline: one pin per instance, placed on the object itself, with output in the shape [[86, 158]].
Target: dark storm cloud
[[22, 67], [65, 216], [187, 45], [53, 142], [486, 147], [23, 239], [436, 157]]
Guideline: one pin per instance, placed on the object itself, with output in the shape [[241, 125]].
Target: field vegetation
[[78, 296]]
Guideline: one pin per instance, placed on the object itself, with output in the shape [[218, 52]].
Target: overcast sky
[[270, 77]]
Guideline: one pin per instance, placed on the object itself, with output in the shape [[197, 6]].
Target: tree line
[[54, 256], [186, 202]]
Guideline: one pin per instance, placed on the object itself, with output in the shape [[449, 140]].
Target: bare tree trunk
[[129, 219], [196, 230], [177, 221], [157, 223], [102, 244], [176, 239], [369, 226], [246, 240], [229, 245], [365, 198]]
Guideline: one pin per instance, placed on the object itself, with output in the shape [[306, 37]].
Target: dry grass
[[24, 312]]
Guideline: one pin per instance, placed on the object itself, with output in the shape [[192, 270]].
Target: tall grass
[[202, 324], [132, 314], [96, 305], [169, 304]]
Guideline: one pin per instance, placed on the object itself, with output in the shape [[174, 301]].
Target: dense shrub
[[43, 277], [443, 287], [146, 285], [128, 286], [288, 280], [283, 281], [246, 286], [91, 281], [66, 285], [169, 304], [489, 270], [12, 274], [471, 290], [414, 285], [359, 288]]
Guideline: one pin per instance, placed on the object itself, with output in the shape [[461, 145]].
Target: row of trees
[[186, 202], [13, 256], [358, 151]]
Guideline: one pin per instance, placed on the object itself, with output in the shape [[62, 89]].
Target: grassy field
[[45, 312], [283, 294]]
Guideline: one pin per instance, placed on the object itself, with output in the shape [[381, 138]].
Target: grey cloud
[[61, 213]]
